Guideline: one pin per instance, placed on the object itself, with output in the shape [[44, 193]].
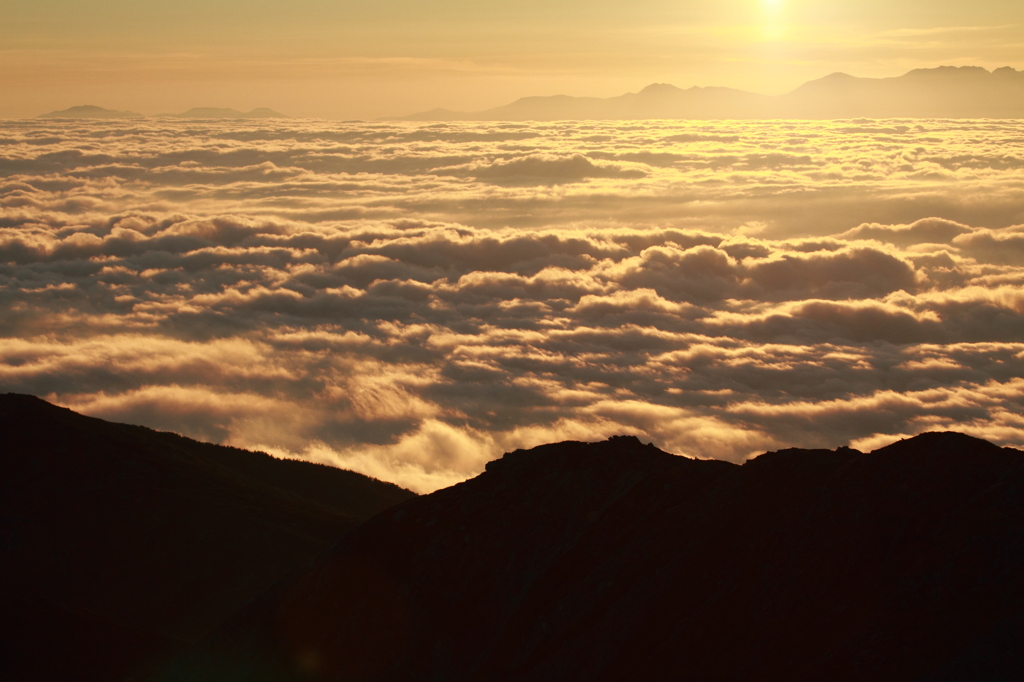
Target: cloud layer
[[411, 300]]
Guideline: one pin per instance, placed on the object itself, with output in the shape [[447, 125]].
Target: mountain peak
[[940, 443], [942, 92], [90, 111], [660, 89], [616, 451], [948, 72]]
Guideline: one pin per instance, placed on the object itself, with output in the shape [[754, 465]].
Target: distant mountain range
[[121, 546], [943, 92], [91, 111]]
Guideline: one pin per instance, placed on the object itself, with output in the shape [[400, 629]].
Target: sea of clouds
[[411, 300]]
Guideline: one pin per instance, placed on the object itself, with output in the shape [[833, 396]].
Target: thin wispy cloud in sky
[[412, 300]]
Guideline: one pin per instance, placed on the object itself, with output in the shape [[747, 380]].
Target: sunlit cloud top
[[412, 300]]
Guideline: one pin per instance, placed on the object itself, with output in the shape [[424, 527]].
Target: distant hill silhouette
[[215, 112], [90, 111], [943, 92], [615, 561], [120, 545]]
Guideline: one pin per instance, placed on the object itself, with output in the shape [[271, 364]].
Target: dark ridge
[[943, 92], [615, 561], [121, 545], [940, 443]]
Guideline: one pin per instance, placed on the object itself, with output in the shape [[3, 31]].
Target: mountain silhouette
[[120, 546], [616, 561], [90, 111], [943, 92]]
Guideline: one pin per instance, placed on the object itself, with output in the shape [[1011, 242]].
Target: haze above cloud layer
[[411, 300], [349, 59]]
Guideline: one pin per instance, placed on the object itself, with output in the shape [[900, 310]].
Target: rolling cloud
[[412, 300]]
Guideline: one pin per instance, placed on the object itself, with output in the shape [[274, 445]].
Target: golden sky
[[342, 59]]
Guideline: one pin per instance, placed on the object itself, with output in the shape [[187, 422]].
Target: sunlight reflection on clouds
[[411, 300]]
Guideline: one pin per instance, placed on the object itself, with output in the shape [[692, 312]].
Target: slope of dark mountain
[[615, 561], [90, 111], [943, 92], [120, 545]]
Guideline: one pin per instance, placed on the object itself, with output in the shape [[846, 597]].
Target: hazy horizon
[[930, 102], [344, 60]]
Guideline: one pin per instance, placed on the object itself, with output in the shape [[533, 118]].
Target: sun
[[772, 19]]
